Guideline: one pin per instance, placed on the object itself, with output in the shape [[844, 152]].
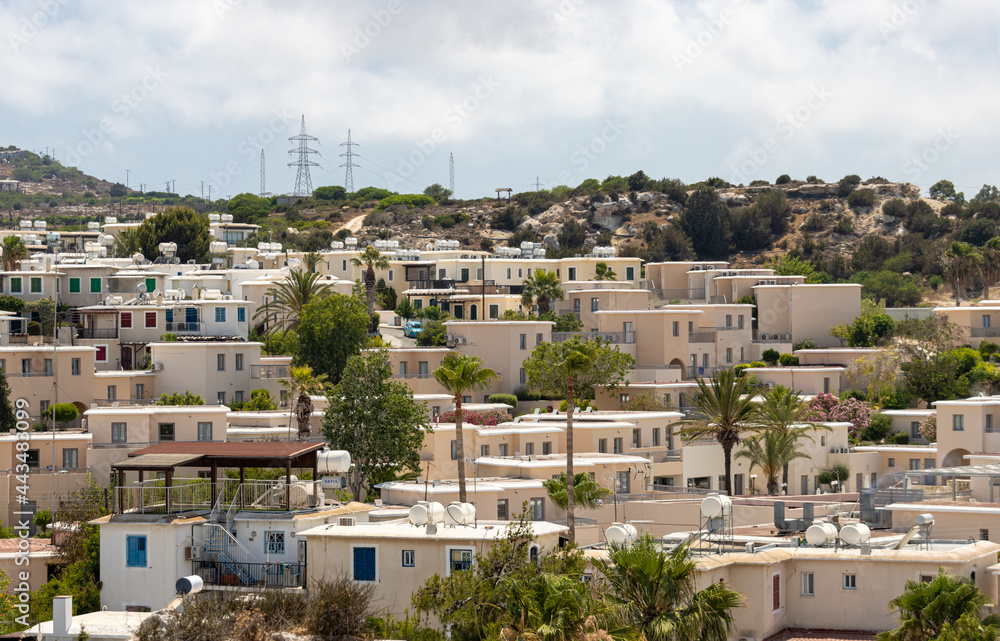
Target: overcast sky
[[517, 90]]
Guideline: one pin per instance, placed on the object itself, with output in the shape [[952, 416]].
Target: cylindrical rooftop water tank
[[924, 519], [620, 533], [716, 505], [333, 462], [459, 513], [189, 584], [821, 534], [855, 534]]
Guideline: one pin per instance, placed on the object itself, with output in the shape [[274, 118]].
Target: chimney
[[62, 616]]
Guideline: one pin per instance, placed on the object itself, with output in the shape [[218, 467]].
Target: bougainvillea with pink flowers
[[928, 429], [827, 407], [486, 417]]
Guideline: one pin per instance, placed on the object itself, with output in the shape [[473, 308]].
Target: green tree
[[771, 452], [13, 252], [867, 330], [248, 208], [726, 408], [181, 225], [10, 303], [432, 334], [962, 266], [458, 374], [572, 235], [927, 608], [945, 190], [370, 259], [588, 494], [8, 608], [574, 367], [405, 309], [8, 417], [603, 272], [63, 412], [554, 607], [260, 401], [659, 596], [284, 303], [707, 222], [127, 242], [541, 288], [177, 398], [302, 384], [331, 193], [781, 409], [438, 193], [42, 313], [331, 330], [931, 370], [377, 420]]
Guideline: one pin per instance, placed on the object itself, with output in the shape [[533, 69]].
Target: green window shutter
[[150, 285], [74, 285], [95, 285]]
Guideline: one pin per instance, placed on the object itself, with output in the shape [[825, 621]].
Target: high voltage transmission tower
[[451, 173], [537, 184], [349, 164], [262, 190], [303, 181]]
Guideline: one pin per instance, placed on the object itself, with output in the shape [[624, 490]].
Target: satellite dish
[[141, 288]]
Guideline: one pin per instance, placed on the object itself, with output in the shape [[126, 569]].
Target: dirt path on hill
[[353, 225]]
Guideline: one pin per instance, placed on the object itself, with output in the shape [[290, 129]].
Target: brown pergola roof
[[204, 453]]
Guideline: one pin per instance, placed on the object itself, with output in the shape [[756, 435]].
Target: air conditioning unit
[[788, 337], [460, 340], [449, 337], [158, 367], [347, 521], [192, 553], [763, 337]]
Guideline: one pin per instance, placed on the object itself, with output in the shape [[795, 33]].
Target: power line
[[303, 181], [349, 165]]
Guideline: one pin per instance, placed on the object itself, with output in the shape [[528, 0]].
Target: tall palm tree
[[962, 265], [771, 451], [604, 272], [312, 261], [927, 608], [658, 593], [990, 253], [780, 410], [458, 374], [127, 242], [554, 607], [14, 251], [302, 384], [727, 410], [587, 493], [371, 259], [541, 288], [288, 299]]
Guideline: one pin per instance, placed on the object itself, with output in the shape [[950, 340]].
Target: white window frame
[[808, 583], [849, 581], [412, 554], [447, 558]]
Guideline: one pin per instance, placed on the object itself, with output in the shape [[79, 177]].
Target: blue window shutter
[[241, 315], [170, 315], [364, 564], [135, 552]]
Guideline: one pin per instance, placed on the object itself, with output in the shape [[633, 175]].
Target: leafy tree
[[438, 193], [331, 330], [572, 235], [573, 367], [771, 452], [8, 417], [13, 252], [931, 371], [868, 330], [987, 193], [376, 419], [707, 221], [177, 398], [871, 254], [507, 219], [647, 402], [302, 384], [726, 410], [330, 193], [895, 289], [64, 413], [945, 190], [541, 288], [458, 374], [587, 493], [248, 208], [550, 606], [773, 207], [847, 184], [9, 612], [789, 265], [181, 225], [405, 309], [10, 303], [878, 372], [783, 179], [638, 181], [432, 334], [43, 314], [260, 401], [926, 608], [658, 593], [370, 259], [603, 272], [127, 242], [770, 356]]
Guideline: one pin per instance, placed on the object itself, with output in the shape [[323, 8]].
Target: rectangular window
[[808, 584], [220, 398], [502, 510], [48, 367], [239, 362], [140, 390], [402, 368], [112, 392], [503, 449], [454, 450], [205, 431], [677, 328], [729, 355], [850, 581], [538, 339], [241, 314], [422, 369], [529, 449], [595, 304], [150, 320], [220, 314], [484, 450], [636, 437], [618, 445], [36, 285], [15, 285], [826, 385], [522, 341], [892, 462], [576, 305], [74, 285], [989, 422], [622, 482], [459, 560], [71, 458], [364, 564], [914, 464], [508, 273], [33, 458], [44, 406], [546, 448], [656, 437], [126, 320], [150, 285], [739, 321], [166, 431], [704, 360], [915, 429], [465, 274], [630, 273], [408, 557], [135, 551], [494, 311], [392, 274], [571, 273], [25, 365], [958, 423], [74, 367], [537, 507], [623, 398], [602, 445], [729, 320], [119, 432], [775, 592], [522, 376], [984, 534], [95, 285], [479, 273], [275, 542], [220, 362], [986, 320]]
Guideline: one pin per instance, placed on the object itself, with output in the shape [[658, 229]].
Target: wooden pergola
[[166, 457]]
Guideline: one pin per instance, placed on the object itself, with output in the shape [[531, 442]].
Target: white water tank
[[214, 218], [333, 462], [855, 534], [924, 519], [138, 257], [189, 584], [621, 533], [227, 218], [426, 512], [92, 226], [716, 505], [459, 513], [110, 220], [25, 224], [821, 534], [218, 247]]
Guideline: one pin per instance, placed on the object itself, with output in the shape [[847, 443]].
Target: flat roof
[[482, 530]]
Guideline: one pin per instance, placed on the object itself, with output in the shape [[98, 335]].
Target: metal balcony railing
[[223, 571], [701, 337], [187, 495], [625, 338], [184, 327], [268, 371], [985, 332], [96, 332]]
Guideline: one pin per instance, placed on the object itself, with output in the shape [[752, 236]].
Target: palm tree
[[781, 409], [542, 288], [288, 299], [14, 251], [302, 384], [312, 261], [727, 409], [553, 607], [658, 593], [962, 267], [928, 608], [371, 259], [587, 493], [604, 272], [458, 374], [771, 452], [990, 253], [127, 242]]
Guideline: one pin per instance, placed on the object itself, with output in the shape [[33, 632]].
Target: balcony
[[28, 374], [701, 337], [184, 327], [193, 495], [697, 294], [665, 456], [431, 284], [268, 371], [222, 571], [985, 332], [96, 332], [624, 338]]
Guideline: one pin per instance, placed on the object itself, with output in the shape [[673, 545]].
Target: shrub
[[783, 179], [788, 360], [508, 399], [847, 184], [770, 356], [935, 281], [827, 407], [339, 608], [878, 429], [928, 429], [986, 348], [507, 219], [900, 438], [487, 417], [861, 198], [807, 343], [844, 226]]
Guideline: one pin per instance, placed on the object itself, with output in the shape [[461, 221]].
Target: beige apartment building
[[221, 371], [58, 463], [503, 346], [808, 381], [415, 366], [795, 312], [974, 324]]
